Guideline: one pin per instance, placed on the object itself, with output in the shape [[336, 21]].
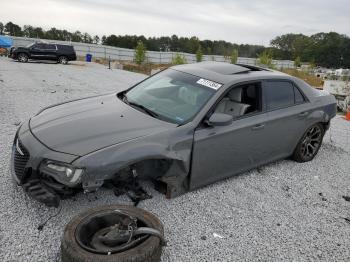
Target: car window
[[51, 47], [298, 96], [241, 100], [278, 94], [40, 46]]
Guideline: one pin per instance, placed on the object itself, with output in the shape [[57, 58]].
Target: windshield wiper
[[145, 109]]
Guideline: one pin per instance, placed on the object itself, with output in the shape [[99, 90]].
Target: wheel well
[[145, 169], [169, 176], [22, 53], [325, 125]]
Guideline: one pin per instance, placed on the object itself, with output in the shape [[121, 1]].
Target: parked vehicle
[[182, 128], [44, 51], [341, 91]]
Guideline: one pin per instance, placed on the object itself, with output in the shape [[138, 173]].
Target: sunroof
[[224, 68]]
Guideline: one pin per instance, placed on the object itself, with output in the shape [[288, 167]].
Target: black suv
[[43, 51]]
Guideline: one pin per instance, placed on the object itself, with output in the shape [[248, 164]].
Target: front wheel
[[309, 144], [23, 58], [63, 60]]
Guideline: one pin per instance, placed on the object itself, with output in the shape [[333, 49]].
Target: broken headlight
[[64, 173]]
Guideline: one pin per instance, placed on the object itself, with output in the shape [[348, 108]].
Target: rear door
[[286, 119], [51, 52]]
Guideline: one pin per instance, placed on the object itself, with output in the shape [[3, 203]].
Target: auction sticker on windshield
[[208, 83]]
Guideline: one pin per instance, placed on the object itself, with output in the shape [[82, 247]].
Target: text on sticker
[[209, 83]]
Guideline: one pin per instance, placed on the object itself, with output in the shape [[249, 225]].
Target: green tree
[[140, 53], [179, 59], [297, 61], [13, 29], [265, 58], [96, 39], [1, 28], [234, 56], [199, 54]]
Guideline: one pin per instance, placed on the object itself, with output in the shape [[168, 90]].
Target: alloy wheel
[[311, 141]]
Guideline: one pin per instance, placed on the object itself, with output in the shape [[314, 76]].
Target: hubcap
[[311, 141], [63, 60], [22, 58]]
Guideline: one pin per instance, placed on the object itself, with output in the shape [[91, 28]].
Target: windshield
[[171, 95]]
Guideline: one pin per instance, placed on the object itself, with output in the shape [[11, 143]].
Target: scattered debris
[[41, 225], [217, 236], [286, 188], [347, 198]]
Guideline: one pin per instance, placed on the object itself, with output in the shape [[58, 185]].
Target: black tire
[[149, 250], [63, 60], [22, 57], [314, 133]]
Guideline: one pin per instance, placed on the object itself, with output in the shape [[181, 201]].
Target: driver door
[[38, 51], [222, 151]]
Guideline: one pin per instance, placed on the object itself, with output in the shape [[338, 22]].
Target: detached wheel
[[309, 144], [63, 60], [23, 58], [102, 234]]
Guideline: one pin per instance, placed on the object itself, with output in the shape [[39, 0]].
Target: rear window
[[51, 47], [65, 47], [279, 94]]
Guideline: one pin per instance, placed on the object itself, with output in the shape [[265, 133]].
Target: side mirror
[[219, 119]]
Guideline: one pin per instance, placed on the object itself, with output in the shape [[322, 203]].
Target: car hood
[[20, 48], [86, 125]]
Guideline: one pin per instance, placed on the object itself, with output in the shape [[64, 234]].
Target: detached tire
[[309, 144], [149, 250]]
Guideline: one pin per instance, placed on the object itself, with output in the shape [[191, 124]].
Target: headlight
[[62, 172]]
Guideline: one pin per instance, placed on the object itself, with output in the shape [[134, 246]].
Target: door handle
[[258, 127], [303, 114]]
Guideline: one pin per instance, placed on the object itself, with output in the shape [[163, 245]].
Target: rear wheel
[[63, 60], [23, 58], [309, 144]]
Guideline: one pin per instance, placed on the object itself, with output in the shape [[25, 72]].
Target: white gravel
[[284, 211]]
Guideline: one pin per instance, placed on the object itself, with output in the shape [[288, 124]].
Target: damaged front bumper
[[25, 168]]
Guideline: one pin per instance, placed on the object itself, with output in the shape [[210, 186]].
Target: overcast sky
[[251, 21]]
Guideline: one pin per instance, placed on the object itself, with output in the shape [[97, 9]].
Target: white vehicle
[[341, 91]]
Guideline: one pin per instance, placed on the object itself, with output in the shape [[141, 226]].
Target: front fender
[[105, 163]]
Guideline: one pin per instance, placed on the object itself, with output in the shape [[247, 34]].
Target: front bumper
[[27, 154]]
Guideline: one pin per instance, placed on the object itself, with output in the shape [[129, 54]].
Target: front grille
[[20, 160]]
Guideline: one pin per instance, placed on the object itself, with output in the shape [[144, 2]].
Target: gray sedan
[[183, 128]]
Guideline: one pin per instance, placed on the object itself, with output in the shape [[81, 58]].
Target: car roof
[[225, 73]]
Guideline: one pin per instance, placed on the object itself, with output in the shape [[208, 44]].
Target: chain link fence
[[124, 54]]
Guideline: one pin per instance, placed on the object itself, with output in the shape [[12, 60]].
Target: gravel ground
[[284, 211]]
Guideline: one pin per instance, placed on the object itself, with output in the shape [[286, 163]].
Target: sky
[[242, 22]]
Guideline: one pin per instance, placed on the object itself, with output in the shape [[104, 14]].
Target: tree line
[[322, 49]]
